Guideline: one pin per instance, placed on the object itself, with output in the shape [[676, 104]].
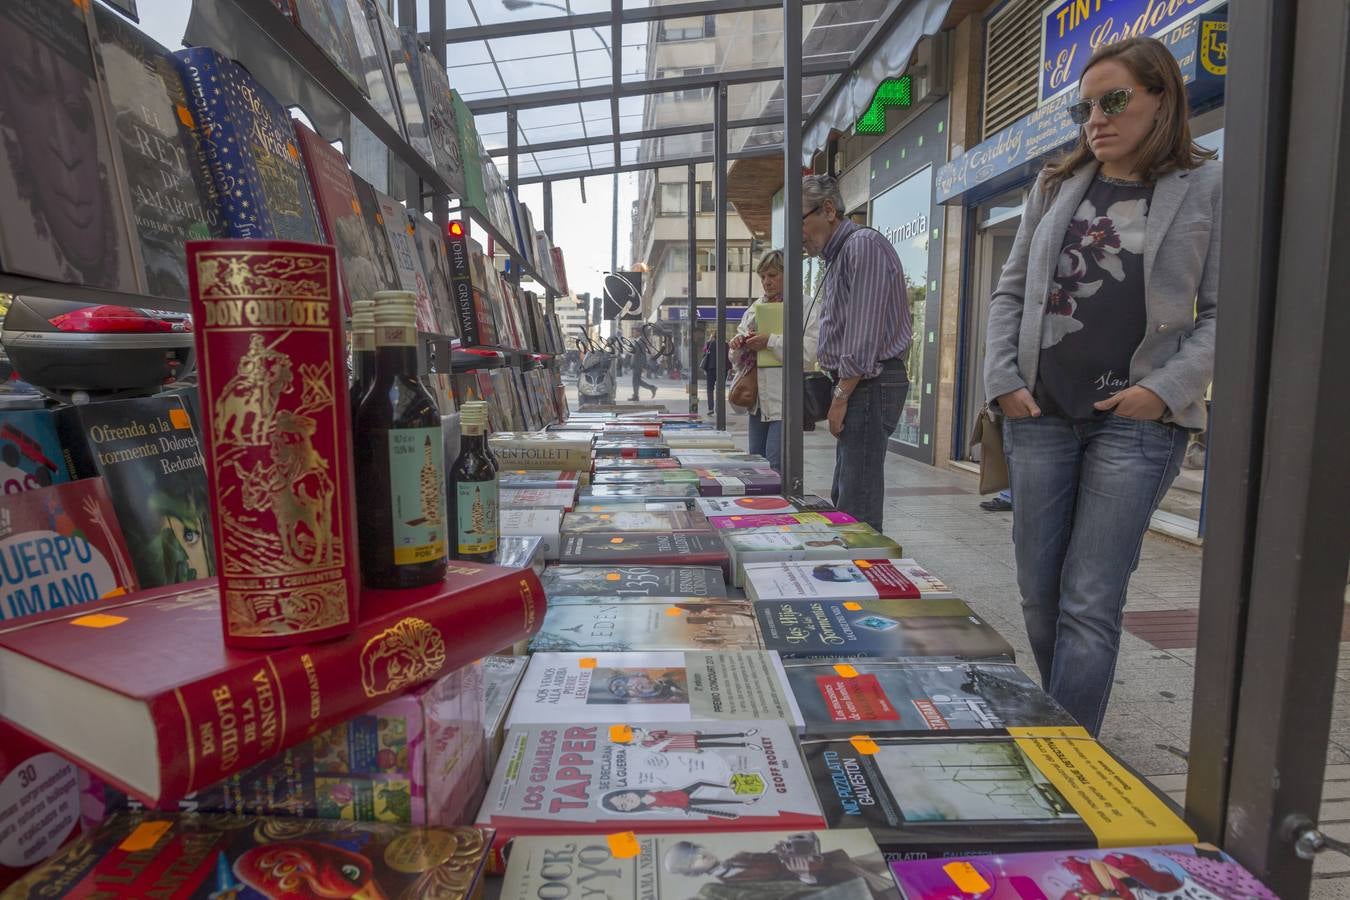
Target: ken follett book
[[812, 629]]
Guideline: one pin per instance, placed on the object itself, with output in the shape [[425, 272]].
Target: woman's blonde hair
[[1169, 146], [770, 262]]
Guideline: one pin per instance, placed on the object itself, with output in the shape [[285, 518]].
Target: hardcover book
[[918, 696], [247, 152], [631, 448], [712, 483], [693, 548], [630, 625], [147, 453], [817, 629], [883, 579], [158, 149], [742, 506], [777, 520], [440, 111], [1201, 871], [340, 212], [635, 521], [328, 24], [386, 268], [30, 451], [273, 383], [405, 87], [546, 523], [538, 498], [63, 216], [181, 856], [431, 251], [608, 687], [710, 458], [541, 450], [729, 775], [843, 865], [399, 232], [376, 75], [1041, 788], [60, 547], [634, 581], [501, 677], [805, 542], [204, 712]]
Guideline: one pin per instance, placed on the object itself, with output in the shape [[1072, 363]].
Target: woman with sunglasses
[[1100, 346]]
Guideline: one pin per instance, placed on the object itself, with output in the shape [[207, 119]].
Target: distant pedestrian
[[709, 365], [640, 366], [1099, 362]]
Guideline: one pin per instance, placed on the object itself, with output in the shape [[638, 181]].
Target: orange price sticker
[[180, 419], [145, 836], [520, 471], [612, 576], [736, 518], [862, 564], [379, 219], [356, 206], [674, 611], [864, 744], [966, 878], [410, 228], [586, 662], [98, 620], [616, 540], [118, 591], [184, 116], [620, 734], [845, 670], [852, 605], [623, 845], [293, 150], [604, 516]]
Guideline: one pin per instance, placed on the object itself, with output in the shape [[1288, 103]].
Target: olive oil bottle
[[474, 493], [400, 466]]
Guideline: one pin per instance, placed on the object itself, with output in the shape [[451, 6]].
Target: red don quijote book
[[276, 422]]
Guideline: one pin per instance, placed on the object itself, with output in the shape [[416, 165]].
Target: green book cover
[[768, 320]]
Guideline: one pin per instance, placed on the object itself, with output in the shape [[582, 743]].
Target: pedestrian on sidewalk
[[1099, 362], [640, 366], [766, 416], [864, 338], [709, 366]]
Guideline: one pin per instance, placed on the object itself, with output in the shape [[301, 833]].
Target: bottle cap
[[363, 315], [395, 308]]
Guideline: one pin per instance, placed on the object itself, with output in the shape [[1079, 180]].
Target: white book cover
[[892, 579], [538, 498], [653, 686], [755, 545], [544, 523], [747, 506], [690, 438]]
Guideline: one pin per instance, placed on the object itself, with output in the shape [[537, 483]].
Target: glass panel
[[468, 53], [475, 82], [902, 215]]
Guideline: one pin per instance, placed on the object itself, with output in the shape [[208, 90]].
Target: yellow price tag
[[623, 845], [864, 744], [845, 670], [620, 734]]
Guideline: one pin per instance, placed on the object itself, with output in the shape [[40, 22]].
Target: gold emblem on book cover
[[401, 656]]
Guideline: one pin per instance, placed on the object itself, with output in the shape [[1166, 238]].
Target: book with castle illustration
[[665, 625], [657, 685]]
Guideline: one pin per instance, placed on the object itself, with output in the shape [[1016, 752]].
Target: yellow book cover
[[768, 320]]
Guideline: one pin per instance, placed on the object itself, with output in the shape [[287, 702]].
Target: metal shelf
[[480, 218]]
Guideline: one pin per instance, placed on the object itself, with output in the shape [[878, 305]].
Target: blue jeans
[[860, 456], [1085, 495], [766, 439]]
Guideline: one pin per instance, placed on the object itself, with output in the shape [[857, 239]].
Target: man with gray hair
[[864, 337]]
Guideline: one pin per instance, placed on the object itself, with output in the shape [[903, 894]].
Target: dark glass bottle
[[473, 490], [487, 437], [400, 465], [363, 352]]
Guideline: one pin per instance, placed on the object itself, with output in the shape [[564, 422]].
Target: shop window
[[705, 197], [674, 200], [677, 260]]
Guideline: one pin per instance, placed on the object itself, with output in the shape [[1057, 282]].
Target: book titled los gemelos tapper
[[626, 624]]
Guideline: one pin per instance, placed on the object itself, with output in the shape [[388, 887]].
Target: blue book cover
[[30, 451], [248, 151], [824, 628]]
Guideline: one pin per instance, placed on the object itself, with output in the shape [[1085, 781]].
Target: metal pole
[[792, 249], [412, 185], [549, 296], [512, 173], [616, 75], [440, 203], [720, 251], [693, 288]]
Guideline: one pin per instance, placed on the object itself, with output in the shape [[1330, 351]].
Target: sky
[[582, 230]]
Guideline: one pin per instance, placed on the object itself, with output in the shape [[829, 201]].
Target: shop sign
[[1201, 47], [1072, 29]]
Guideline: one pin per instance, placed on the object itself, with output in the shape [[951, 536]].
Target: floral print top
[[1095, 315]]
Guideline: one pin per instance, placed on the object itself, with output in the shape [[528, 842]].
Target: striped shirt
[[864, 319]]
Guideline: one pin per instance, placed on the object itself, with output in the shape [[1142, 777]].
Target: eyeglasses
[[813, 211], [1112, 103]]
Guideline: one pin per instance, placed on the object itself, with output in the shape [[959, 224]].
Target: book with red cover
[[60, 547], [36, 786], [341, 215], [143, 691], [273, 382]]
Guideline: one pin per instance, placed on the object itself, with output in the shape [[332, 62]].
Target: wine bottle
[[487, 438], [400, 467], [475, 517], [363, 352]]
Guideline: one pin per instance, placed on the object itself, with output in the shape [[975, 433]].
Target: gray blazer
[[1175, 360]]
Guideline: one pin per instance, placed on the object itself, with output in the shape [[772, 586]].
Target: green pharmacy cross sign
[[891, 92]]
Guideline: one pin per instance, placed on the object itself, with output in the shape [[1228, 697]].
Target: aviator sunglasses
[[1112, 103]]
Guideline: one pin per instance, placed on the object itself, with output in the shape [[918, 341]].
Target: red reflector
[[456, 229], [109, 320]]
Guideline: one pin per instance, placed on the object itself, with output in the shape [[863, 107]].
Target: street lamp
[[516, 6]]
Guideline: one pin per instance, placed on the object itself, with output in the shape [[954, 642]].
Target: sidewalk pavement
[[934, 514]]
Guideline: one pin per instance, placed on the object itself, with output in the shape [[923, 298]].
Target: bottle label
[[476, 506], [363, 340], [395, 336], [417, 492]]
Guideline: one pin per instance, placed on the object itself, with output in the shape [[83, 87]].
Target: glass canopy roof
[[552, 62]]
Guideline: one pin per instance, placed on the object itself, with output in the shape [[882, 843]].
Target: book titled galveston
[[548, 450], [627, 624], [859, 579], [632, 687], [694, 548], [728, 775], [815, 629], [633, 581]]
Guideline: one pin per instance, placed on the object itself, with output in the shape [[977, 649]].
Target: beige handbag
[[988, 433], [744, 390]]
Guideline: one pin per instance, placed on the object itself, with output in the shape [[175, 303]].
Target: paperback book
[[501, 677], [545, 523], [635, 465], [819, 629], [841, 696], [382, 257], [828, 865], [633, 581], [640, 491], [1199, 871], [695, 548], [631, 448], [884, 579], [399, 232], [732, 775], [926, 798], [609, 687], [328, 24], [742, 506], [639, 476], [635, 521], [629, 625], [631, 504], [340, 212], [778, 520], [538, 498], [411, 111], [714, 484], [30, 451], [805, 542], [542, 478]]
